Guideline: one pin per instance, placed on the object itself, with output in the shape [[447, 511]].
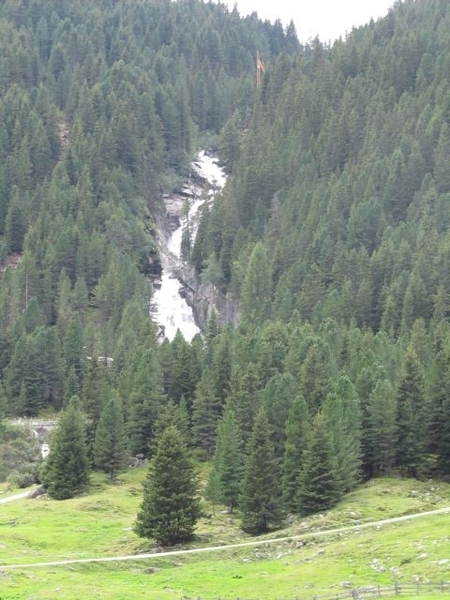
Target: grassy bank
[[416, 550]]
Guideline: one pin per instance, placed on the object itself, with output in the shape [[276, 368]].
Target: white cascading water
[[172, 313]]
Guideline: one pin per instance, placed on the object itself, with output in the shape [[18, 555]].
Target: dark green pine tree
[[410, 414], [212, 488], [315, 375], [277, 398], [170, 507], [343, 418], [244, 396], [222, 364], [227, 465], [66, 470], [260, 500], [186, 369], [109, 443], [297, 427], [15, 225], [73, 348], [94, 395], [256, 288], [320, 485], [172, 414], [382, 427], [145, 402], [438, 401], [205, 414]]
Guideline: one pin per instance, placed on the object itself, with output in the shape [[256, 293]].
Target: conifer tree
[[320, 484], [221, 364], [170, 507], [315, 375], [185, 372], [297, 427], [260, 500], [212, 489], [342, 414], [15, 225], [382, 426], [109, 443], [244, 397], [146, 399], [256, 288], [205, 414], [410, 414], [66, 470], [172, 414], [227, 463], [73, 347], [277, 398], [212, 330], [94, 395], [438, 393]]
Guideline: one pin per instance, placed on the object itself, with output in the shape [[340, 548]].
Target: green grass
[[100, 523]]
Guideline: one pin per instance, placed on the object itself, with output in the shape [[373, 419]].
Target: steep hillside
[[102, 105], [331, 236], [343, 174]]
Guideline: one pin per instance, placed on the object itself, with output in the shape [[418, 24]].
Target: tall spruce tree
[[382, 426], [109, 443], [170, 507], [226, 473], [256, 288], [66, 470], [277, 398], [205, 414], [260, 501], [94, 395], [320, 483], [342, 414], [438, 395], [146, 400], [410, 414], [297, 427]]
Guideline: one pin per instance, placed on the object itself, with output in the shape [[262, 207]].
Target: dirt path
[[253, 543], [15, 497]]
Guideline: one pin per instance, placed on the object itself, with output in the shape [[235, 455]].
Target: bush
[[19, 454], [22, 479]]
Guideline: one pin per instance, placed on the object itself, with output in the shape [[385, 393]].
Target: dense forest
[[332, 235]]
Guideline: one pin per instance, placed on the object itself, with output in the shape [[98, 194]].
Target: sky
[[328, 19]]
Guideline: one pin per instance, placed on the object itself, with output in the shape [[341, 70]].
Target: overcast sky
[[326, 18]]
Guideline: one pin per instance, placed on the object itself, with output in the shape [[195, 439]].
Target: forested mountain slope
[[101, 108], [344, 175], [332, 233]]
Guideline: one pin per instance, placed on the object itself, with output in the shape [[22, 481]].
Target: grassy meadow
[[308, 563]]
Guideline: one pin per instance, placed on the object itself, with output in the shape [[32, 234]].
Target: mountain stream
[[171, 311]]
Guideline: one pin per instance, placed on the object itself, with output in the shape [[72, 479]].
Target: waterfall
[[172, 312]]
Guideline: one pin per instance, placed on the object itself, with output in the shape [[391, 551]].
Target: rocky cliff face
[[201, 297]]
